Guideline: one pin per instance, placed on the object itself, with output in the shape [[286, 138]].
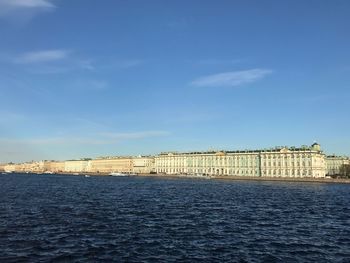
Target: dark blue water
[[60, 218]]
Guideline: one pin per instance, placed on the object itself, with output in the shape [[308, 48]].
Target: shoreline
[[252, 178], [230, 178]]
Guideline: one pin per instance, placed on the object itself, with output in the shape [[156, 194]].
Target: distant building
[[278, 162], [9, 168], [334, 163], [76, 166], [54, 166], [116, 164], [143, 164]]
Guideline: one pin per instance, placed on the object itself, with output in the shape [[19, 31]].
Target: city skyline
[[211, 150], [141, 78]]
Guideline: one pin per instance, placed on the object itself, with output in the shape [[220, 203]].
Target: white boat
[[118, 174], [86, 175]]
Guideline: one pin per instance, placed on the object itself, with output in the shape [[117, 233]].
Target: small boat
[[86, 175], [118, 174], [3, 173]]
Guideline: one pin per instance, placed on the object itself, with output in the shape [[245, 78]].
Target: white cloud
[[26, 3], [51, 141], [42, 56], [53, 61], [231, 79], [24, 9]]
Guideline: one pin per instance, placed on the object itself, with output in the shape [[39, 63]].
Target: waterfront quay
[[308, 162]]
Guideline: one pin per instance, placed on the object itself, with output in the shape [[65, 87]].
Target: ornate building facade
[[278, 162]]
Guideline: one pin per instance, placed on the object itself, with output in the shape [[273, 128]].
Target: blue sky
[[93, 78]]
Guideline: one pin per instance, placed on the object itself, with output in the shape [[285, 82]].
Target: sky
[[88, 78]]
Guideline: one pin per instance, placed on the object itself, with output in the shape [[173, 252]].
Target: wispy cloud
[[24, 9], [50, 61], [42, 56], [231, 79], [100, 139], [134, 135], [51, 141], [86, 64], [27, 3]]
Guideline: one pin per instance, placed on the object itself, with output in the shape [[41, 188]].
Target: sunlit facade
[[279, 162], [54, 166], [116, 164], [143, 164], [334, 163], [76, 166]]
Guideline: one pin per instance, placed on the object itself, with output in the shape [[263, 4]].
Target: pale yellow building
[[278, 162], [31, 167], [143, 164], [113, 164], [77, 166], [26, 167], [9, 168], [54, 166], [2, 167], [334, 163]]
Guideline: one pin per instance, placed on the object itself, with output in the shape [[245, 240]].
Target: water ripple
[[75, 219]]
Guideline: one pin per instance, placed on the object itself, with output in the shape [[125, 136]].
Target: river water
[[65, 218]]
